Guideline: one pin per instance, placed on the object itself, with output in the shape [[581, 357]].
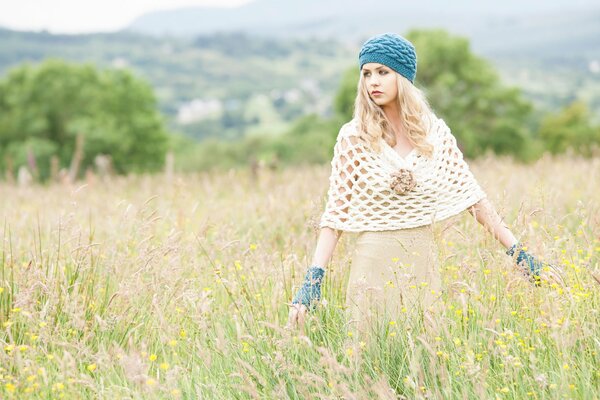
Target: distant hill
[[510, 25]]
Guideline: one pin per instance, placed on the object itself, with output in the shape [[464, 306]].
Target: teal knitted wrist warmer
[[531, 265], [310, 291]]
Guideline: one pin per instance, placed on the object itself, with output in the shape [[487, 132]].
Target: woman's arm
[[326, 243], [486, 215], [311, 288]]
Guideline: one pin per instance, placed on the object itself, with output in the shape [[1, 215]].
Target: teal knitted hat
[[392, 50]]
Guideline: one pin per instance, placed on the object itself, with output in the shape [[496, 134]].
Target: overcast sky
[[77, 16]]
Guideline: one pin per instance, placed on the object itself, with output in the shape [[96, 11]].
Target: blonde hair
[[415, 115]]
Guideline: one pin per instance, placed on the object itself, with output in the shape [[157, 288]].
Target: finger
[[293, 316], [290, 324], [302, 315]]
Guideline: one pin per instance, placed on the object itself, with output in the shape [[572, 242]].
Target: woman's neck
[[397, 126]]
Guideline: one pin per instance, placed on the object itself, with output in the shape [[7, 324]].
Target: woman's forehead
[[373, 65]]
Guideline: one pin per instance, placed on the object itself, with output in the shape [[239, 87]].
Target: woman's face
[[380, 82]]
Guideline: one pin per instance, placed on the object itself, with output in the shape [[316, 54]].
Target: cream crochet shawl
[[361, 196]]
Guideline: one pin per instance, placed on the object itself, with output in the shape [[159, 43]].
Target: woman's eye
[[382, 72]]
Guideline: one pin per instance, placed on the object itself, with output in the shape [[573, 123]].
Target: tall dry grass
[[144, 287]]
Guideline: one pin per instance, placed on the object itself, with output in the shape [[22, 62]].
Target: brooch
[[403, 181]]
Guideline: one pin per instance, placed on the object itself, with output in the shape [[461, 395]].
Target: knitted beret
[[392, 50]]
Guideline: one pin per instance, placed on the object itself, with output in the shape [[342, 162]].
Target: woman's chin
[[381, 102]]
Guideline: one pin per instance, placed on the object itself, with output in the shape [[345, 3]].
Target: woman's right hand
[[297, 316], [306, 297]]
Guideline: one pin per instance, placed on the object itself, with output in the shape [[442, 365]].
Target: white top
[[360, 197]]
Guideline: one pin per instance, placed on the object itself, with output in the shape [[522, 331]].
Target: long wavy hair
[[416, 116]]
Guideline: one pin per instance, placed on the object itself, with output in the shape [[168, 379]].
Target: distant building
[[197, 110], [119, 63]]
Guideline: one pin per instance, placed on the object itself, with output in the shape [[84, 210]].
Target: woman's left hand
[[535, 268]]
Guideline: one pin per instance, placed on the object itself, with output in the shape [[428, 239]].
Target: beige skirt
[[394, 275]]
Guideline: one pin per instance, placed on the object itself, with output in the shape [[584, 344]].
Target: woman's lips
[[376, 93]]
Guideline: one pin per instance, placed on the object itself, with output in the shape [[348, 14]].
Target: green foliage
[[46, 106], [571, 128], [309, 140], [344, 100], [466, 91], [244, 45]]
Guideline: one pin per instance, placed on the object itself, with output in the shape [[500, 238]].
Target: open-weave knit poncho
[[362, 195]]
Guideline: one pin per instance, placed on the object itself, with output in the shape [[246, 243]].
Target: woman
[[396, 170]]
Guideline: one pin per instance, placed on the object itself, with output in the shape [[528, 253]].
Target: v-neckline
[[404, 158]]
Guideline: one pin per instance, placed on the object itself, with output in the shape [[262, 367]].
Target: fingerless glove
[[528, 262], [310, 291]]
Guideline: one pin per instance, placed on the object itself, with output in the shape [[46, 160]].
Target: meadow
[[168, 287]]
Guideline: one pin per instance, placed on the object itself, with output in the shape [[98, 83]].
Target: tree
[[343, 103], [44, 107], [467, 92], [571, 128]]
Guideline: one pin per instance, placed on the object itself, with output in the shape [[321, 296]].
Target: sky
[[85, 16]]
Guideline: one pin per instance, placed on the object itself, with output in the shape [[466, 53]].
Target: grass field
[[143, 287]]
